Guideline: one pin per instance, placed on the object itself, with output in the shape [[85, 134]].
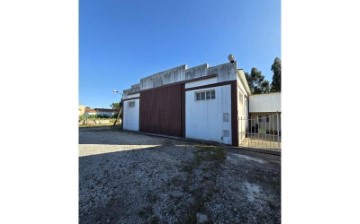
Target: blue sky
[[122, 41]]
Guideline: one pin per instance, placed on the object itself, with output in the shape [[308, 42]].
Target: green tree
[[276, 79], [265, 87], [115, 106], [257, 82]]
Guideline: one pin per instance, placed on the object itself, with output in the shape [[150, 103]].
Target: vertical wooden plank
[[183, 134], [234, 114]]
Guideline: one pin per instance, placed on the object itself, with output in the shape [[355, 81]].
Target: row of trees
[[257, 82], [115, 106]]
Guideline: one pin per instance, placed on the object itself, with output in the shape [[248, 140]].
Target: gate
[[260, 131]]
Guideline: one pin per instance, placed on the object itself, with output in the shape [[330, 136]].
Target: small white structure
[[266, 108], [265, 103]]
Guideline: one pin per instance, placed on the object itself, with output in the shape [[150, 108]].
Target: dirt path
[[135, 178]]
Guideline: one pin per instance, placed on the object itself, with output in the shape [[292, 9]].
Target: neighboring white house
[[89, 111], [100, 111], [105, 111]]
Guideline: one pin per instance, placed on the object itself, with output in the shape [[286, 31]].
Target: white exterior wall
[[242, 113], [242, 99], [264, 103], [131, 115], [124, 97], [200, 82], [242, 104], [241, 88], [204, 118]]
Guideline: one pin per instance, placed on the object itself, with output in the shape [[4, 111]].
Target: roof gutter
[[244, 81], [242, 77]]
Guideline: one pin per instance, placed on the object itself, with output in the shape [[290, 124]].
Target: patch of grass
[[94, 125], [142, 213], [172, 211], [154, 220], [209, 160], [208, 153], [272, 205], [176, 181], [147, 213], [197, 206], [152, 198], [189, 168]]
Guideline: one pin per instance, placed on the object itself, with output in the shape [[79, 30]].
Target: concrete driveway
[[134, 178]]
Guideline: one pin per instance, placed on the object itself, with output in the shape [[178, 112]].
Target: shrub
[[83, 117], [103, 116], [94, 116]]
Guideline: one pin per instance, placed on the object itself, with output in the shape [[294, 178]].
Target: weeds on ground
[[208, 160]]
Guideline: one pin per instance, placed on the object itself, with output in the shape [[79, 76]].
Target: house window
[[205, 95], [131, 104]]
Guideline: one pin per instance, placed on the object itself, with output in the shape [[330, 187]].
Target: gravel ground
[[134, 178]]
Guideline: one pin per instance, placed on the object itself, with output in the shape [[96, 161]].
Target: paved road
[[134, 178]]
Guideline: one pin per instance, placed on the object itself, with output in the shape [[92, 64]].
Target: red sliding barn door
[[161, 110]]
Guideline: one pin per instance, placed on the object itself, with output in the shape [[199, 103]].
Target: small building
[[82, 109], [100, 111], [201, 102], [265, 112], [89, 111], [105, 111]]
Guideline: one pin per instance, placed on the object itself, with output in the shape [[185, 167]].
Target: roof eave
[[244, 81]]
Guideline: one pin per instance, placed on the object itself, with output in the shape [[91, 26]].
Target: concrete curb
[[180, 139], [270, 152], [265, 151]]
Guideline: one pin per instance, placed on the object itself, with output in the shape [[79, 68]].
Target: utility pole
[[120, 109]]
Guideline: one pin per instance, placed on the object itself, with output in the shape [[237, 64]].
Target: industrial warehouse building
[[201, 102]]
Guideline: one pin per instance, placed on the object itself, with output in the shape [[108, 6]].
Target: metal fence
[[260, 131]]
